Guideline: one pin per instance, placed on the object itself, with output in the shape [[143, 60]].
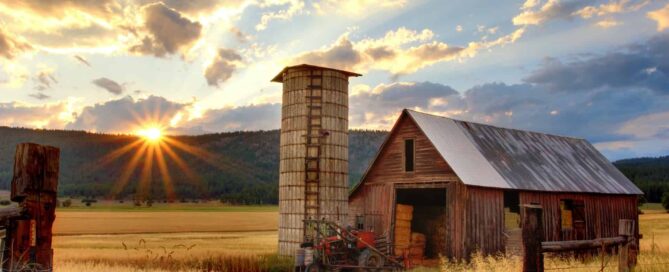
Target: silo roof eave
[[279, 76]]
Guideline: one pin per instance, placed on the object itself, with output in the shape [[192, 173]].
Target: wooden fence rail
[[534, 245]]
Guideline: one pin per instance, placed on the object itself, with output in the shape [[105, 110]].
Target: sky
[[597, 70]]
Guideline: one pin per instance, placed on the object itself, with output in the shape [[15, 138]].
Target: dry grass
[[223, 242], [97, 222]]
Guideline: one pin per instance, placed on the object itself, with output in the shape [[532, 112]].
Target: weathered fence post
[[533, 235], [626, 230], [34, 186]]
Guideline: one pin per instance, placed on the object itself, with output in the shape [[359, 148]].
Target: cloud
[[44, 79], [39, 96], [642, 65], [126, 114], [614, 100], [195, 8], [378, 107], [82, 60], [222, 67], [355, 7], [661, 16], [11, 46], [607, 23], [402, 51], [109, 85], [44, 115], [655, 125], [250, 117], [534, 13], [168, 31], [295, 7]]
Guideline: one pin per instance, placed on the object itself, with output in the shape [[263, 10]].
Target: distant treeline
[[236, 167], [650, 174]]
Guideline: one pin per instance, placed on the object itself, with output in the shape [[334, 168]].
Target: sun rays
[[150, 158]]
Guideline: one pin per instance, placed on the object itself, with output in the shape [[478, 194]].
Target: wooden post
[[626, 230], [34, 186], [533, 235]]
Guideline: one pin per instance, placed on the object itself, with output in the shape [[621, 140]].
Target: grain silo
[[313, 180]]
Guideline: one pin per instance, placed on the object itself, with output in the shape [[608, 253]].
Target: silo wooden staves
[[313, 179]]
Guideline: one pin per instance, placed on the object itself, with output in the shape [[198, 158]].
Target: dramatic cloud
[[109, 85], [403, 51], [613, 100], [222, 67], [195, 8], [126, 114], [10, 46], [639, 66], [45, 115], [168, 31], [661, 16]]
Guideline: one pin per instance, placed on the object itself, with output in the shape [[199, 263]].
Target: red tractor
[[333, 248]]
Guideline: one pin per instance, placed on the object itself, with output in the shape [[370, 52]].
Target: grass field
[[178, 237]]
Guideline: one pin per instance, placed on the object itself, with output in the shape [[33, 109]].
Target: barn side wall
[[484, 220], [602, 213]]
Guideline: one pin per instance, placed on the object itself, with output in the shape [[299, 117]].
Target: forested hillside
[[239, 167], [650, 174]]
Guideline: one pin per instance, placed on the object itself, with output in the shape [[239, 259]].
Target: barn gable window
[[409, 153]]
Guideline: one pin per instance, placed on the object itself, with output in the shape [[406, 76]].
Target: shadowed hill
[[240, 167], [650, 174]]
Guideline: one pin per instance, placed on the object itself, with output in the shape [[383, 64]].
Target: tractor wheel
[[369, 258], [314, 267]]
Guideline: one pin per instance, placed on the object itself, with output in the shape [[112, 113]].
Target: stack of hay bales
[[417, 248], [403, 217]]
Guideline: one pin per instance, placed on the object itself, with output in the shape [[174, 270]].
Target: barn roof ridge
[[496, 126]]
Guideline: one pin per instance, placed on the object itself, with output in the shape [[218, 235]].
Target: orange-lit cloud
[[661, 16], [402, 51]]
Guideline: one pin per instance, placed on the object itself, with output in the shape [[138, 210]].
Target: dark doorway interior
[[429, 216]]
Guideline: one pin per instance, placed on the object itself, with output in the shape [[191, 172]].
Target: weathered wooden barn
[[466, 182]]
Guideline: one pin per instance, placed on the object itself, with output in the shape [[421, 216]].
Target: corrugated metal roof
[[489, 156]]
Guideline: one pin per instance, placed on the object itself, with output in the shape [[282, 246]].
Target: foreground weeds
[[647, 262]]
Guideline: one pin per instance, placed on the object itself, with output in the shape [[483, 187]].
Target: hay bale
[[418, 238], [404, 224], [417, 251], [403, 212]]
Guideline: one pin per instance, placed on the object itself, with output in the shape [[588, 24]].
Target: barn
[[464, 183]]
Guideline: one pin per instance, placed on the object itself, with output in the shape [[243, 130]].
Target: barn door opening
[[423, 233]]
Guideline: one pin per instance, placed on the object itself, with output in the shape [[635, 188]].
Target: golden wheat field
[[201, 237]]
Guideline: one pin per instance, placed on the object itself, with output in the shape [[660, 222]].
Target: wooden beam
[[533, 235], [626, 231], [34, 186], [561, 246]]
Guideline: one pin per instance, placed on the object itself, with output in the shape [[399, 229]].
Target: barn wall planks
[[602, 213], [484, 220]]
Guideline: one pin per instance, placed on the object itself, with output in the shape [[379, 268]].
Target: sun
[[151, 134]]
